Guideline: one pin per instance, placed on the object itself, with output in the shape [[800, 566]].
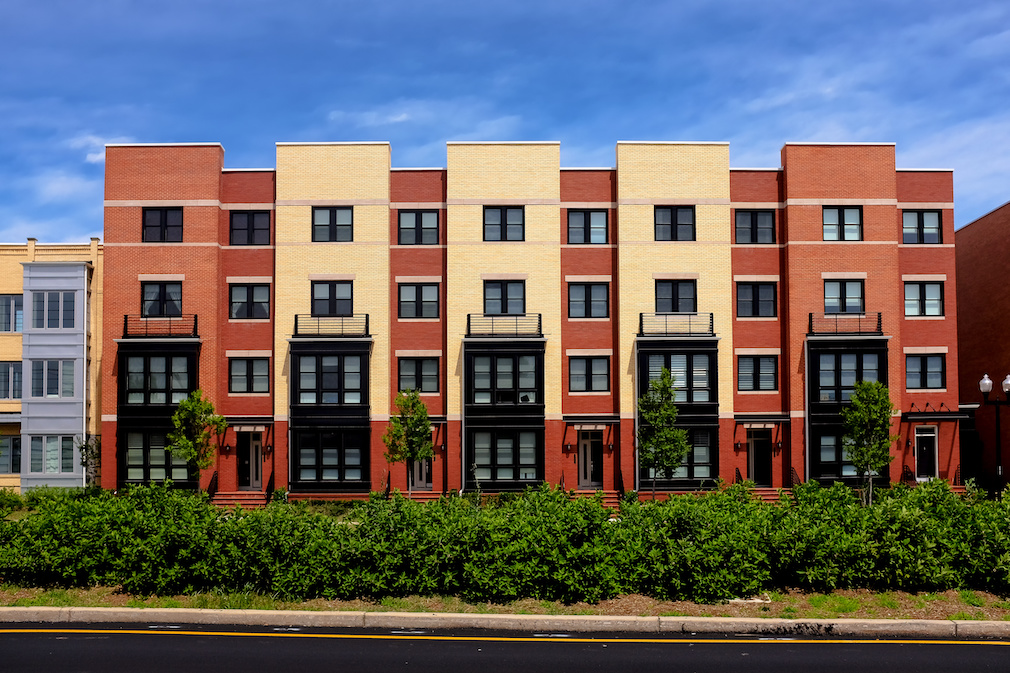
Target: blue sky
[[932, 76]]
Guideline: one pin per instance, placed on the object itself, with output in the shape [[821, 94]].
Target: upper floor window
[[162, 225], [587, 226], [921, 226], [161, 299], [249, 302], [420, 374], [843, 296], [418, 227], [755, 300], [330, 379], [332, 298], [925, 371], [923, 298], [504, 224], [333, 224], [418, 300], [250, 227], [676, 296], [10, 454], [504, 296], [755, 226], [52, 310], [675, 224], [842, 224], [11, 312], [157, 379], [587, 300], [10, 380], [691, 373], [837, 374], [52, 378], [589, 374], [757, 372], [505, 379], [249, 375], [52, 454]]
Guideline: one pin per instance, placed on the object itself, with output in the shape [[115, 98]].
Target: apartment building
[[530, 304]]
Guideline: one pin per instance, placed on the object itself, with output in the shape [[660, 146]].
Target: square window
[[155, 379], [418, 300], [52, 378], [504, 224], [755, 300], [418, 227], [249, 302], [676, 296], [420, 374], [332, 298], [333, 224], [161, 299], [331, 379], [589, 374], [674, 223], [842, 223], [925, 371], [921, 226], [755, 226], [249, 375], [587, 226], [923, 299], [843, 296], [504, 297], [756, 372], [162, 225], [250, 227], [53, 310], [588, 300]]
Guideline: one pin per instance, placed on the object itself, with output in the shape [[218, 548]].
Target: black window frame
[[759, 369], [839, 467], [515, 394], [253, 229], [673, 229], [342, 441], [839, 390], [842, 233], [521, 472], [418, 229], [323, 390], [919, 233], [161, 302], [332, 231], [145, 382], [174, 468], [513, 231], [11, 379], [921, 302], [416, 366], [694, 389], [676, 290], [749, 221], [333, 303], [247, 309], [755, 306], [588, 365], [843, 285], [691, 468], [418, 305], [586, 229], [13, 317], [923, 374], [504, 286], [588, 303], [161, 231], [247, 375]]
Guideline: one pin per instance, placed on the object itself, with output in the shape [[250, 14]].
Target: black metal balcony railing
[[175, 326], [332, 325], [676, 324], [506, 325], [845, 323]]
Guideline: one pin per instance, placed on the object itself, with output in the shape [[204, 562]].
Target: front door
[[590, 459], [760, 445], [250, 460], [925, 453]]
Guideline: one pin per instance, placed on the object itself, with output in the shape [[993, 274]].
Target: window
[[249, 375], [161, 299], [420, 374], [843, 296], [690, 372], [921, 226], [506, 455], [504, 224], [925, 371], [162, 225], [923, 298], [418, 301], [249, 301], [331, 457], [587, 226], [332, 224], [148, 459], [10, 454], [506, 379], [250, 227], [588, 374], [157, 379], [588, 300], [837, 373], [418, 227], [832, 460], [10, 380], [676, 296], [842, 224], [697, 464], [330, 379], [504, 297], [52, 454], [755, 226], [52, 310], [675, 224], [11, 312], [756, 372], [52, 378], [332, 298], [755, 300]]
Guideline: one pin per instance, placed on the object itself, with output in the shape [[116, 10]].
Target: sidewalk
[[796, 628]]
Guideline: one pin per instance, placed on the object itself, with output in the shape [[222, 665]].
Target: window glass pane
[[743, 228], [68, 378], [576, 227], [68, 310], [52, 454], [577, 374]]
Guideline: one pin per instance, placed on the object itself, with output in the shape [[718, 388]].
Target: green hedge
[[540, 544]]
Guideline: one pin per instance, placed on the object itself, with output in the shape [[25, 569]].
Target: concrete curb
[[797, 628]]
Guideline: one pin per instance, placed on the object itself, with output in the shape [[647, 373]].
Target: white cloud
[[61, 186], [94, 146]]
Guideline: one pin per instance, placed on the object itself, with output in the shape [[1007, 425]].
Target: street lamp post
[[985, 387]]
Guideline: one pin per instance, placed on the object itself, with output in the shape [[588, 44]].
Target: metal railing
[[332, 325], [842, 323], [506, 325], [676, 324], [138, 326]]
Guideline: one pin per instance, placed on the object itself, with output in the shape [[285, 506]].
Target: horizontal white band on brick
[[333, 202], [394, 246], [588, 279], [160, 276], [416, 205], [249, 279], [554, 417], [588, 319], [161, 203], [249, 428], [247, 206], [418, 279], [727, 414], [758, 205], [843, 275], [600, 246], [676, 276], [926, 205], [281, 418], [248, 354], [589, 393], [380, 418], [757, 351], [504, 276], [332, 276], [911, 277], [846, 243], [841, 202], [588, 205], [453, 417], [924, 350], [503, 202], [417, 354], [248, 394], [756, 319], [755, 279], [925, 317], [109, 418], [797, 414], [757, 392], [159, 244], [418, 320], [577, 352], [673, 202]]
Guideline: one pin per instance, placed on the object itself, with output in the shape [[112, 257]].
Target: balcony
[[845, 324], [160, 327], [676, 324], [505, 325], [347, 326]]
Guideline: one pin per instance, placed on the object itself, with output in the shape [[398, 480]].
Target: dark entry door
[[760, 442], [925, 453], [249, 451], [590, 459]]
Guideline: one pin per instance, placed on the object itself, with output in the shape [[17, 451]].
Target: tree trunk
[[410, 482]]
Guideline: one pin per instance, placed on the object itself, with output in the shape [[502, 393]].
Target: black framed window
[[249, 302], [249, 375], [10, 380], [418, 227], [148, 459], [588, 300], [506, 455], [53, 310], [506, 379], [699, 463], [691, 373], [923, 298], [504, 297], [250, 227], [587, 226], [418, 300], [921, 226], [755, 226], [674, 223], [842, 223], [420, 374], [10, 454], [157, 379], [11, 312], [676, 296], [837, 374], [162, 225], [755, 300], [161, 299], [52, 378], [589, 374], [843, 296], [331, 379], [331, 457], [832, 460], [333, 224], [504, 224], [757, 372], [925, 371], [332, 297]]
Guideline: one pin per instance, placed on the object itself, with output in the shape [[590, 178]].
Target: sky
[[931, 76]]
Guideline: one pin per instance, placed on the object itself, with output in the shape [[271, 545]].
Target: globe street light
[[985, 387]]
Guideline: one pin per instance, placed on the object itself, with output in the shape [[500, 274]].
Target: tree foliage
[[661, 445], [194, 424], [868, 437], [408, 435]]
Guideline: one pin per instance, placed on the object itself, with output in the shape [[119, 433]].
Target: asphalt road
[[216, 649]]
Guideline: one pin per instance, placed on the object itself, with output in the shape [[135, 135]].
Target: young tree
[[408, 436], [868, 435], [661, 446], [194, 424]]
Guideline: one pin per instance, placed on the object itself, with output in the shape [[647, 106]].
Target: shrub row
[[541, 544]]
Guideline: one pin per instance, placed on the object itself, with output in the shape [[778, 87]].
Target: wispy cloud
[[94, 146]]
